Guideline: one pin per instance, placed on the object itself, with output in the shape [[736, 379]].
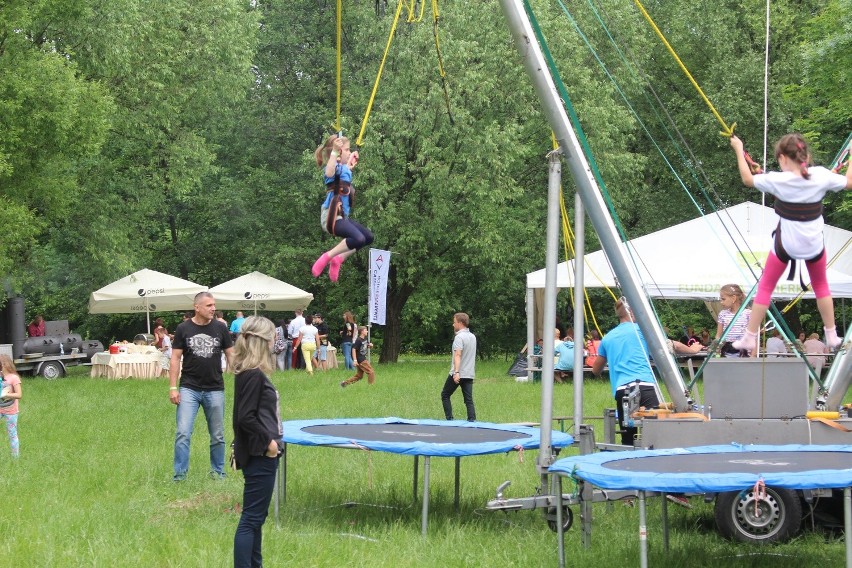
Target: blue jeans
[[346, 347], [213, 403], [259, 474]]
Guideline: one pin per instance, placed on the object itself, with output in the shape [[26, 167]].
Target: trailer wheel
[[743, 516], [567, 519], [52, 370]]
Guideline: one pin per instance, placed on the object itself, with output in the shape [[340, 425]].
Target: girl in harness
[[335, 155], [798, 192]]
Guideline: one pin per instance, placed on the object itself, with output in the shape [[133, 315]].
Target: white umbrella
[[144, 291], [257, 291]]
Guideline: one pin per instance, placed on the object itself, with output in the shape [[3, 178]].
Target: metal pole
[[847, 524], [560, 530], [596, 208], [530, 332], [458, 483], [424, 521], [579, 323], [554, 181], [643, 532]]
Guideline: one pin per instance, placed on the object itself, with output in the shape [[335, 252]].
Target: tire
[[52, 370], [778, 518], [567, 519]]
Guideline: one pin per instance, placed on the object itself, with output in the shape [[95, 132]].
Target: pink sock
[[320, 265], [334, 269], [747, 342], [831, 339]]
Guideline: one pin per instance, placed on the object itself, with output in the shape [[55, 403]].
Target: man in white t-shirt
[[293, 331]]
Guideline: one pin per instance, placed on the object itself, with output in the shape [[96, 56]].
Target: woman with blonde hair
[[257, 433]]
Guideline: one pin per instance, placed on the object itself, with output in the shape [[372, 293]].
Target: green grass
[[93, 486]]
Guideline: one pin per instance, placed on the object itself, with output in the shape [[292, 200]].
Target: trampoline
[[714, 469], [426, 438]]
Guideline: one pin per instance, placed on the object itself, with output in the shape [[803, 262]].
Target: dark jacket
[[256, 415]]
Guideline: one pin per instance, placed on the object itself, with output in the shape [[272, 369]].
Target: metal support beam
[[588, 190]]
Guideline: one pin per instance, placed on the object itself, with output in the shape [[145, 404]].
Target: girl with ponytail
[[798, 190]]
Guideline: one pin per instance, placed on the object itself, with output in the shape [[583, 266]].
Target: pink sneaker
[[334, 269], [319, 265]]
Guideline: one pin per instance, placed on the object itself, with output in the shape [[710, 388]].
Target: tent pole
[[531, 360]]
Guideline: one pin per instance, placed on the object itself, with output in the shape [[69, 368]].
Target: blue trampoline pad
[[440, 438], [712, 469]]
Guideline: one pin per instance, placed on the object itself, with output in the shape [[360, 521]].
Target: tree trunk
[[396, 299]]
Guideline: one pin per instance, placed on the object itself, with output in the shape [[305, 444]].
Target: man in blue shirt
[[565, 364], [625, 352], [237, 324]]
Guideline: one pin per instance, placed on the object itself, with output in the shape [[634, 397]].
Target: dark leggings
[[357, 236]]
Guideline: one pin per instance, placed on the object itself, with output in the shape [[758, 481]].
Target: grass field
[[93, 486]]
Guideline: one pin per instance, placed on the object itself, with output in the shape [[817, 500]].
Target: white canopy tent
[[693, 260], [257, 291], [144, 291]]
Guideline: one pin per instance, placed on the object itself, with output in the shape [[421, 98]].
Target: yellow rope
[[379, 76], [728, 130], [337, 127], [411, 9]]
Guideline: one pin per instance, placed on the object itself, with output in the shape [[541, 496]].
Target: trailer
[[50, 366]]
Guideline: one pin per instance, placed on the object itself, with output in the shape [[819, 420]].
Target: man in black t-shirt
[[197, 356]]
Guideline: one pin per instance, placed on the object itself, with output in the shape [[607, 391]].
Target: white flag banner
[[379, 267]]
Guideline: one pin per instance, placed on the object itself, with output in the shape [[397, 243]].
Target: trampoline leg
[[560, 530], [414, 482], [847, 524], [280, 489], [665, 519], [586, 496], [425, 518], [643, 533], [458, 474]]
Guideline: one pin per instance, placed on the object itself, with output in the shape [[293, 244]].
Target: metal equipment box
[[756, 388]]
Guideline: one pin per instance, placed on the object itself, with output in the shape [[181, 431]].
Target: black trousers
[[450, 387], [648, 399]]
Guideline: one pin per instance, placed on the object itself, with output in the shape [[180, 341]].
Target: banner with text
[[379, 267]]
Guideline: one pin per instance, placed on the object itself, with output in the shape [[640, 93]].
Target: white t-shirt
[[775, 345], [295, 325], [309, 333], [801, 239]]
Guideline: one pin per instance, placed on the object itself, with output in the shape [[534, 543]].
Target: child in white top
[[798, 191], [731, 297]]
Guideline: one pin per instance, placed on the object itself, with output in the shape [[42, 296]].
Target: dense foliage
[[178, 135]]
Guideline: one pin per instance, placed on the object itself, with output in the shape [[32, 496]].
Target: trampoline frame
[[649, 483], [532, 442]]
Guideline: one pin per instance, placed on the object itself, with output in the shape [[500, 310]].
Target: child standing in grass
[[359, 353], [11, 394]]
